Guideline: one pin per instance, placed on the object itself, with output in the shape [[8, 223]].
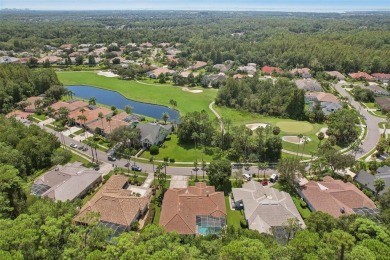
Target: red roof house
[[270, 70]]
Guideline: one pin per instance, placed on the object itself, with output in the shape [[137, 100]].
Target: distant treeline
[[344, 42]]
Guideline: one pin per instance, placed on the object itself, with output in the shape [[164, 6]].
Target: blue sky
[[269, 5]]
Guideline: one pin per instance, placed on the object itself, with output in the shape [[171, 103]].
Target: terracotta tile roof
[[71, 105], [181, 206], [360, 75], [331, 195], [51, 59], [31, 103], [91, 114], [381, 76], [114, 203], [270, 70], [199, 64], [66, 46]]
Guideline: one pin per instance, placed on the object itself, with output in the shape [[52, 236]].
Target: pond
[[112, 98]]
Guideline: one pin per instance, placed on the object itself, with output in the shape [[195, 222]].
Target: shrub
[[172, 160], [303, 204], [166, 159], [154, 150], [243, 223], [150, 217], [168, 137]]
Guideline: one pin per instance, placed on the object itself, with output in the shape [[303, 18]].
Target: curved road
[[373, 134]]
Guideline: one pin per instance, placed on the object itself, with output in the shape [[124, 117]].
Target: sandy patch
[[107, 74], [295, 139], [324, 129], [195, 91], [257, 125]]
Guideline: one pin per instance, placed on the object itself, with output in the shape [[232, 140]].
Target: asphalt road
[[146, 167], [372, 122]]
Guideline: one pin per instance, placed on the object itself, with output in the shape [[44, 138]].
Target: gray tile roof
[[151, 132], [367, 179], [266, 207], [309, 85], [67, 182]]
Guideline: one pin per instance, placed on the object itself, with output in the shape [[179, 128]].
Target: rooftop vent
[[342, 210]]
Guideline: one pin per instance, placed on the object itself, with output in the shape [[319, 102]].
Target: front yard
[[180, 152]]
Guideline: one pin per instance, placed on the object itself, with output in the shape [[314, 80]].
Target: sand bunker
[[107, 74], [295, 139], [324, 129], [255, 126], [195, 91]]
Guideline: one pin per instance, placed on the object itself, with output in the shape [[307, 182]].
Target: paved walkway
[[218, 116], [179, 182], [149, 180]]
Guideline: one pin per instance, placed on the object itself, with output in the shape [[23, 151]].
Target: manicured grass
[[78, 132], [179, 152], [161, 94], [296, 127], [371, 105], [233, 216], [40, 117]]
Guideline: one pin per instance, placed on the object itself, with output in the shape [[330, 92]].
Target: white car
[[73, 145]]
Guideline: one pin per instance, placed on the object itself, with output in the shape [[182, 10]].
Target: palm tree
[[92, 101], [101, 116], [299, 142], [89, 143], [203, 167], [195, 137], [50, 111], [263, 166], [82, 110], [128, 109], [196, 169], [165, 117], [321, 137], [108, 119], [305, 141], [379, 185]]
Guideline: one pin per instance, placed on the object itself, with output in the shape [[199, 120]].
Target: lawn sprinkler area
[[295, 127], [254, 126], [295, 139]]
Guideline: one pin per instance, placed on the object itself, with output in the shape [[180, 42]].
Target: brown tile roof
[[31, 102], [238, 76], [383, 103], [325, 97], [91, 114], [107, 127], [199, 64], [360, 75], [71, 106], [271, 70], [51, 59], [181, 206], [331, 195], [381, 76], [66, 46], [114, 203], [336, 74]]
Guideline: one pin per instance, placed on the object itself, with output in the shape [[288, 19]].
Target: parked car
[[73, 145], [247, 176], [81, 147], [136, 168], [111, 158], [264, 182], [273, 178], [85, 148]]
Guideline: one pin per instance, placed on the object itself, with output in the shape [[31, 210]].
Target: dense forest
[[281, 98], [345, 42], [18, 82]]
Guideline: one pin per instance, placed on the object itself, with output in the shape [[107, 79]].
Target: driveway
[[179, 182], [372, 122]]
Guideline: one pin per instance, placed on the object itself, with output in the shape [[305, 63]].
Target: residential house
[[382, 77], [31, 104], [8, 59], [52, 59], [215, 78], [311, 85], [121, 119], [91, 113], [329, 103], [266, 209], [199, 65], [185, 74], [172, 51], [67, 182], [335, 197], [118, 204], [164, 44], [238, 76], [367, 180], [70, 105], [383, 103], [336, 74], [361, 75], [153, 133], [155, 73], [146, 45], [249, 69], [303, 72], [66, 47], [197, 209], [225, 67], [267, 70], [377, 90]]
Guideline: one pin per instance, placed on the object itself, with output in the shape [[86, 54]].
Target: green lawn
[[160, 94], [371, 105], [40, 117], [179, 152], [233, 216]]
